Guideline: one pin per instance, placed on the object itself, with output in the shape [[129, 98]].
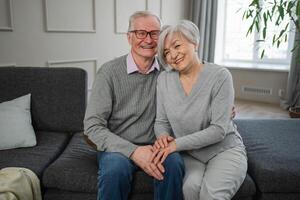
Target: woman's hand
[[162, 141], [163, 153]]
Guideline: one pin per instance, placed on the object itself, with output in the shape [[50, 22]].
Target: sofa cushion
[[273, 153], [76, 170], [279, 196], [15, 124], [247, 189], [58, 95], [37, 158]]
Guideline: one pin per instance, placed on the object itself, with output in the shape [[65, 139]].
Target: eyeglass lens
[[142, 34]]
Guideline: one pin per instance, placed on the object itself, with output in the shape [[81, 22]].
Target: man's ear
[[129, 38]]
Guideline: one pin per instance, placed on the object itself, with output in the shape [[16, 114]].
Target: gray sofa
[[66, 164]]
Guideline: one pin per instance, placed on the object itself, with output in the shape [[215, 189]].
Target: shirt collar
[[132, 67]]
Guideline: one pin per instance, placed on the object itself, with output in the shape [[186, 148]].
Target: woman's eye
[[166, 53], [177, 46]]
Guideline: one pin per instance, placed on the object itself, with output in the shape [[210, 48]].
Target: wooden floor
[[258, 110]]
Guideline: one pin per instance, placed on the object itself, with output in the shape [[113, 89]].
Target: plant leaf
[[264, 32], [262, 54], [265, 19], [274, 39], [257, 26], [298, 9], [281, 33], [281, 11], [250, 30]]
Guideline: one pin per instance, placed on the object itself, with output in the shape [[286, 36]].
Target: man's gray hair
[[186, 28], [137, 14]]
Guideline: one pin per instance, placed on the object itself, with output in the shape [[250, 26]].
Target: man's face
[[143, 48]]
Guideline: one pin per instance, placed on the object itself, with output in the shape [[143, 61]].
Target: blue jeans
[[116, 173]]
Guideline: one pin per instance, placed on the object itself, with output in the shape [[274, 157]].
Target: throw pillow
[[15, 124]]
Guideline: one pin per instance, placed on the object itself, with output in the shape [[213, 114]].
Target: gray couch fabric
[[50, 145], [273, 154], [58, 95], [79, 161]]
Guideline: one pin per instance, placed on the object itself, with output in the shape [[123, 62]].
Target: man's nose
[[148, 38]]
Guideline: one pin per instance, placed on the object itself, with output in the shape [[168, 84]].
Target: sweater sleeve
[[162, 125], [222, 98], [96, 119]]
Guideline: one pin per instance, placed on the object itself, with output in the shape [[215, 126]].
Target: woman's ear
[[196, 47]]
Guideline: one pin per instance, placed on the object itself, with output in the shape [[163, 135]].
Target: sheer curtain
[[204, 15]]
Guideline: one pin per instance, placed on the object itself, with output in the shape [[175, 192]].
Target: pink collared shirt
[[132, 67]]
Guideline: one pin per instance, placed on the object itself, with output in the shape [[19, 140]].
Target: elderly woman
[[194, 102]]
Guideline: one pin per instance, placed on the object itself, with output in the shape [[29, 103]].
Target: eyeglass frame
[[147, 32]]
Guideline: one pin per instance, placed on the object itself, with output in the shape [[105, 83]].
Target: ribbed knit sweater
[[121, 111], [201, 120]]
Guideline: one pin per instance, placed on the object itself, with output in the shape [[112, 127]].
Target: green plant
[[262, 13]]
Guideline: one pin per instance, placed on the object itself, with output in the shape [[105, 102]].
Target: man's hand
[[143, 156], [163, 153]]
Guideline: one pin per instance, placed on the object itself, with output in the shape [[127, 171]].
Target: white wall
[[29, 38], [259, 79], [39, 32]]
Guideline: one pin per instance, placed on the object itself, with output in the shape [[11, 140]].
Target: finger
[[161, 143], [150, 172], [160, 167], [156, 171], [157, 144], [170, 139], [154, 154], [164, 156], [158, 157], [165, 142]]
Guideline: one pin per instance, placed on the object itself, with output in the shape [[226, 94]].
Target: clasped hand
[[150, 158], [163, 146]]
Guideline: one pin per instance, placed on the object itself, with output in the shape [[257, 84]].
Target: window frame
[[255, 61]]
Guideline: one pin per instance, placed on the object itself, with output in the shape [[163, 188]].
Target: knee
[[114, 166], [174, 164]]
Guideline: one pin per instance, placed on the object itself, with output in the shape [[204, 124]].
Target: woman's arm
[[161, 125]]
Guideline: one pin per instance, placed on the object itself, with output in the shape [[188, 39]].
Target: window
[[234, 49]]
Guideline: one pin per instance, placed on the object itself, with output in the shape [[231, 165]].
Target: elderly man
[[120, 116]]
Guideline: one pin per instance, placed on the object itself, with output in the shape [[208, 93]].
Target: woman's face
[[179, 53]]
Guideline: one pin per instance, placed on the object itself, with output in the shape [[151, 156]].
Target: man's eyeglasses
[[142, 34]]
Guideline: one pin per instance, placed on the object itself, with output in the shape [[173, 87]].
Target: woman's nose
[[173, 54]]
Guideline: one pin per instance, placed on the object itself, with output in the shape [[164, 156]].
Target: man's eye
[[166, 53], [177, 46]]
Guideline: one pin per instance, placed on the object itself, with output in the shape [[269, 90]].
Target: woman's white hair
[[143, 13], [185, 28]]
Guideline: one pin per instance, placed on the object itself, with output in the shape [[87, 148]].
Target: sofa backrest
[[58, 95]]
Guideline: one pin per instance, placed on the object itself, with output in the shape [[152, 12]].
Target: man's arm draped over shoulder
[[97, 115]]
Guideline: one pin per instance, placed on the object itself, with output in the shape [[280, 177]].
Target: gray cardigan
[[201, 121]]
